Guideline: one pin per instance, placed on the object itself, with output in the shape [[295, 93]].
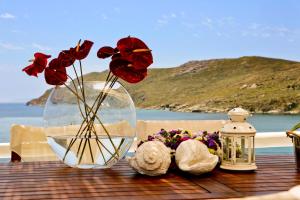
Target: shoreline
[[190, 109], [218, 111]]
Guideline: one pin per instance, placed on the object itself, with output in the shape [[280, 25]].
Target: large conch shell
[[152, 158], [193, 156]]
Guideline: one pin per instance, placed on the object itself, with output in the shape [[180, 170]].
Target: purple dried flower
[[173, 138], [212, 144], [174, 132], [163, 133], [150, 138]]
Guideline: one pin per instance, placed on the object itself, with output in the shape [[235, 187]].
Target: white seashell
[[193, 156], [152, 158]]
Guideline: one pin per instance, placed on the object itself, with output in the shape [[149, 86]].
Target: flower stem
[[122, 141], [91, 121], [89, 143], [82, 151], [97, 108], [101, 151]]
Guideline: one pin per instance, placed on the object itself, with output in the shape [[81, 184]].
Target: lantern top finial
[[238, 124], [238, 114]]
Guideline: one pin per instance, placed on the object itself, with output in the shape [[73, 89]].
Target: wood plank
[[44, 180]]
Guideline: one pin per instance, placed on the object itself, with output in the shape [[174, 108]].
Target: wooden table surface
[[44, 180]]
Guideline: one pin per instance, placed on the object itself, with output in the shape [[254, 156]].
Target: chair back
[[29, 143]]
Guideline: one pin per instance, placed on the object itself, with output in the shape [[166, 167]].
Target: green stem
[[85, 108], [101, 151], [95, 116], [82, 151], [95, 133], [101, 142], [90, 109], [116, 153], [78, 103], [94, 113], [78, 150], [91, 152], [82, 85]]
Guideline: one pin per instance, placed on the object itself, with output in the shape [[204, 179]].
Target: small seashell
[[152, 158], [193, 156]]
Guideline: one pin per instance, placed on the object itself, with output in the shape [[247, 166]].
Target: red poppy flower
[[124, 69], [38, 65], [105, 52], [136, 51], [66, 58], [55, 73], [81, 51]]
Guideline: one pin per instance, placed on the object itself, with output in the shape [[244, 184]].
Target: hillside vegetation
[[259, 84]]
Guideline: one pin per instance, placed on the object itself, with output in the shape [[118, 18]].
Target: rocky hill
[[259, 84]]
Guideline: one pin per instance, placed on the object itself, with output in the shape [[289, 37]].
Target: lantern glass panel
[[245, 149], [242, 149], [227, 148], [252, 160]]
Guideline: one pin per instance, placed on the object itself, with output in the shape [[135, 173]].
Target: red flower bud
[[105, 52]]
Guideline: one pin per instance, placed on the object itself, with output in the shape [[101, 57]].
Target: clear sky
[[176, 31]]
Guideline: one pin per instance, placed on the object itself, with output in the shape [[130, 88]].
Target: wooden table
[[42, 180]]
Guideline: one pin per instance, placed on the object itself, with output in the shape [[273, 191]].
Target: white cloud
[[162, 21], [226, 21], [254, 26], [17, 31], [189, 25], [265, 35], [10, 46], [265, 31], [197, 35], [7, 16], [117, 9], [104, 16], [208, 22], [166, 18], [182, 13], [219, 34], [41, 47], [221, 27], [173, 15], [218, 23]]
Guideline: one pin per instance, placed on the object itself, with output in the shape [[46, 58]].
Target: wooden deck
[[41, 180]]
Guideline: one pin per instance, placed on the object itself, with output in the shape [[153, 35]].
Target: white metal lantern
[[237, 139]]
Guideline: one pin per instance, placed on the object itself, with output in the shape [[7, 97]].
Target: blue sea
[[19, 113]]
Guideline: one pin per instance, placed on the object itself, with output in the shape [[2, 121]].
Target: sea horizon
[[19, 113]]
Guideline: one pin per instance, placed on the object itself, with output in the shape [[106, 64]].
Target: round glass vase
[[90, 125]]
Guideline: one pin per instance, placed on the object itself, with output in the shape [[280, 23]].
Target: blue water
[[32, 115], [262, 122], [274, 151], [12, 110]]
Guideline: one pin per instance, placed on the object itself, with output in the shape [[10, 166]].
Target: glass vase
[[89, 125]]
